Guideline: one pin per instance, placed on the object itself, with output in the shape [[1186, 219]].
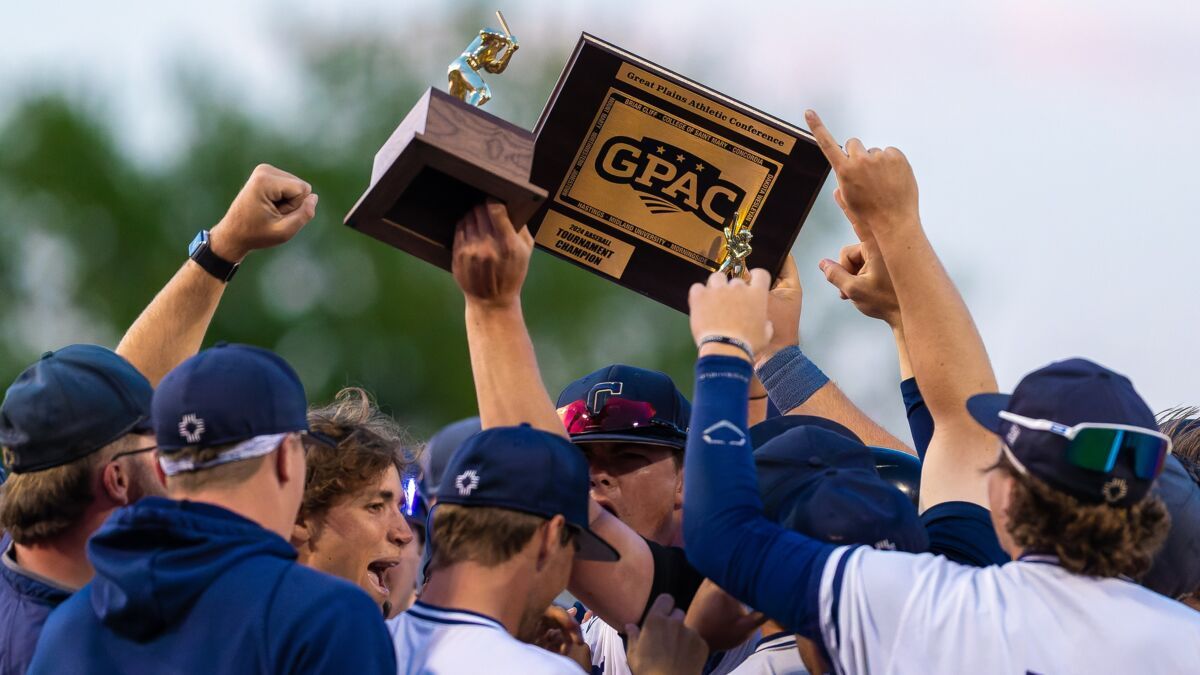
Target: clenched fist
[[732, 308], [877, 186], [270, 209]]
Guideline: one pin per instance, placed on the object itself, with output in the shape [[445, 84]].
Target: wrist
[[225, 246], [891, 226], [721, 349], [487, 307]]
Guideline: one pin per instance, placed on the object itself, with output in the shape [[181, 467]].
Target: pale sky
[[1055, 142]]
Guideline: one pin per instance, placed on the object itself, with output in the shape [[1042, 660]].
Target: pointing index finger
[[824, 139]]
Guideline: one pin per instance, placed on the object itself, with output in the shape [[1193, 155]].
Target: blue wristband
[[790, 378]]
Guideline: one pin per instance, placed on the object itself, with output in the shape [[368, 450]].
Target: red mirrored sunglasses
[[617, 414]]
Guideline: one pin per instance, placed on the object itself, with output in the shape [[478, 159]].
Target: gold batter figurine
[[737, 248], [491, 51]]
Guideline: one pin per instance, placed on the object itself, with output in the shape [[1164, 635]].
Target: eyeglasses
[[1096, 446], [617, 414], [130, 453]]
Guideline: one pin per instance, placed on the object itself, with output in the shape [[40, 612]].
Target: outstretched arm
[[490, 261], [792, 386], [269, 210], [948, 357], [772, 569]]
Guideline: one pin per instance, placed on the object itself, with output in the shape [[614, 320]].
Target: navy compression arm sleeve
[[920, 422], [774, 570]]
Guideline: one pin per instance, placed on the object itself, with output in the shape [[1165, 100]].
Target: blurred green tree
[[89, 234]]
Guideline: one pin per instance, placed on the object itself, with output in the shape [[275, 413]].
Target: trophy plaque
[[656, 181], [446, 156]]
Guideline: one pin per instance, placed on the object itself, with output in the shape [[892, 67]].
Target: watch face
[[200, 240]]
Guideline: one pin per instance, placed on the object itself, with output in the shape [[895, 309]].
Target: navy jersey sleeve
[[673, 574], [774, 570], [920, 422], [963, 532]]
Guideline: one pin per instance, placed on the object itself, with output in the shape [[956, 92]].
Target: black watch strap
[[211, 262]]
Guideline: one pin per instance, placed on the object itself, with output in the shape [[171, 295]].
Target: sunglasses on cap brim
[[1096, 446], [617, 414]]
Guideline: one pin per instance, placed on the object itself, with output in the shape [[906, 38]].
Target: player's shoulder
[[470, 642]]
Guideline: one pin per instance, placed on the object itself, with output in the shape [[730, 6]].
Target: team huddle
[[175, 510]]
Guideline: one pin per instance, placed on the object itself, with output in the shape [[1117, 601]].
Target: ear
[[115, 483], [301, 533], [158, 470], [287, 467], [679, 489], [547, 538]]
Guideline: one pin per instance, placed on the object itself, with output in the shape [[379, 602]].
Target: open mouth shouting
[[377, 574]]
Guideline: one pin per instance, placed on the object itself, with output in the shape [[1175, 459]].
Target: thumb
[[836, 275], [632, 633], [292, 222]]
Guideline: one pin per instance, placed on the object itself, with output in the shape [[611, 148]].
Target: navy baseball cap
[[441, 448], [1069, 392], [527, 470], [69, 404], [899, 469], [226, 394], [824, 484], [625, 404]]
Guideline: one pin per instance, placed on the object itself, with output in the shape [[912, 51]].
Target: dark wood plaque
[[645, 167], [444, 158]]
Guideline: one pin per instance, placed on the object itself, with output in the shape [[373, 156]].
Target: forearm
[[173, 325], [727, 537], [947, 353], [902, 359], [617, 592], [799, 388], [508, 384]]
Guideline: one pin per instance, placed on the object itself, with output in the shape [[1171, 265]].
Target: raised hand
[[664, 645], [861, 276], [732, 308], [783, 311], [270, 209], [491, 258], [877, 186]]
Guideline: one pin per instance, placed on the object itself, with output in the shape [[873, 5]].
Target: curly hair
[[1094, 540], [1182, 424], [368, 442]]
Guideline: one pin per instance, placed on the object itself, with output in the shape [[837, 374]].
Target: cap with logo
[[899, 469], [824, 484], [69, 404], [1069, 393], [228, 394], [527, 470], [625, 404], [441, 448]]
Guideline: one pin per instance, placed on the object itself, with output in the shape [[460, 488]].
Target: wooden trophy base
[[443, 159]]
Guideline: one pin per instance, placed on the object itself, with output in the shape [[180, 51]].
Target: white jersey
[[434, 641], [887, 612], [774, 655], [609, 657], [608, 649]]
